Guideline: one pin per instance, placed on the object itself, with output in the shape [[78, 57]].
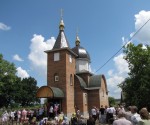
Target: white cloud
[[121, 64], [37, 56], [117, 76], [140, 19], [112, 84], [17, 58], [4, 27], [125, 41], [22, 73], [110, 72]]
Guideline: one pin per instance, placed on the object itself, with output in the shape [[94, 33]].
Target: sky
[[29, 27]]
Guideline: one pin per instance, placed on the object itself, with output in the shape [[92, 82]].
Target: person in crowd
[[5, 118], [51, 112], [106, 112], [145, 118], [12, 115], [56, 120], [41, 111], [15, 114], [97, 113], [33, 121], [102, 114], [122, 108], [61, 115], [121, 119], [19, 116], [60, 121], [56, 109], [78, 113], [43, 121], [128, 113], [135, 118], [29, 115], [66, 120], [24, 116], [91, 120], [37, 114], [94, 113], [111, 113], [81, 120], [117, 109], [74, 120]]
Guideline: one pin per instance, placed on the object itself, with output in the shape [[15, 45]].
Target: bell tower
[[61, 69]]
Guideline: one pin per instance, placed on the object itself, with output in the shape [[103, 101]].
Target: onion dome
[[80, 51], [61, 25], [61, 41]]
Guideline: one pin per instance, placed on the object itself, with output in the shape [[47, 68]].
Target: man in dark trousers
[[102, 114]]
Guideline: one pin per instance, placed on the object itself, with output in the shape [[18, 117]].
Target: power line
[[123, 45]]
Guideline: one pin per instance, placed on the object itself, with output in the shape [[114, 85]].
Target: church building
[[70, 82]]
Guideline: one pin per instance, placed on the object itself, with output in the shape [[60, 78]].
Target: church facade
[[70, 82]]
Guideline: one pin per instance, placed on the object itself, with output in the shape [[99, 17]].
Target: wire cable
[[123, 46]]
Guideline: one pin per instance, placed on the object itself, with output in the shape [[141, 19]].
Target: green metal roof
[[95, 81], [57, 92], [82, 82]]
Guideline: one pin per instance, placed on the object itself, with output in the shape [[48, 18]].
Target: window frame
[[56, 56]]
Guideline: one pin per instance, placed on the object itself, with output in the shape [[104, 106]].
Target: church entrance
[[54, 106], [54, 99]]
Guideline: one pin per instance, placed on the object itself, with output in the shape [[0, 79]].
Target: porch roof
[[49, 92]]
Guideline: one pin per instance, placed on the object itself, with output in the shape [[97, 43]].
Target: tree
[[27, 89], [111, 101], [7, 80], [14, 89], [137, 84]]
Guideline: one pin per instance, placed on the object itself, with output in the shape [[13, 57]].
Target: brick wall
[[80, 98], [64, 69], [93, 99], [103, 93], [70, 70]]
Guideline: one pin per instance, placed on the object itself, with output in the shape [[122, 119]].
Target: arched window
[[71, 80], [56, 77]]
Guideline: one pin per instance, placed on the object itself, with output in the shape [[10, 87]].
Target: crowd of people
[[103, 115], [22, 116], [39, 117], [132, 117], [120, 116]]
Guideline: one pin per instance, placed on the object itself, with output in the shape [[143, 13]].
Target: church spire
[[77, 39], [61, 41], [61, 25]]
